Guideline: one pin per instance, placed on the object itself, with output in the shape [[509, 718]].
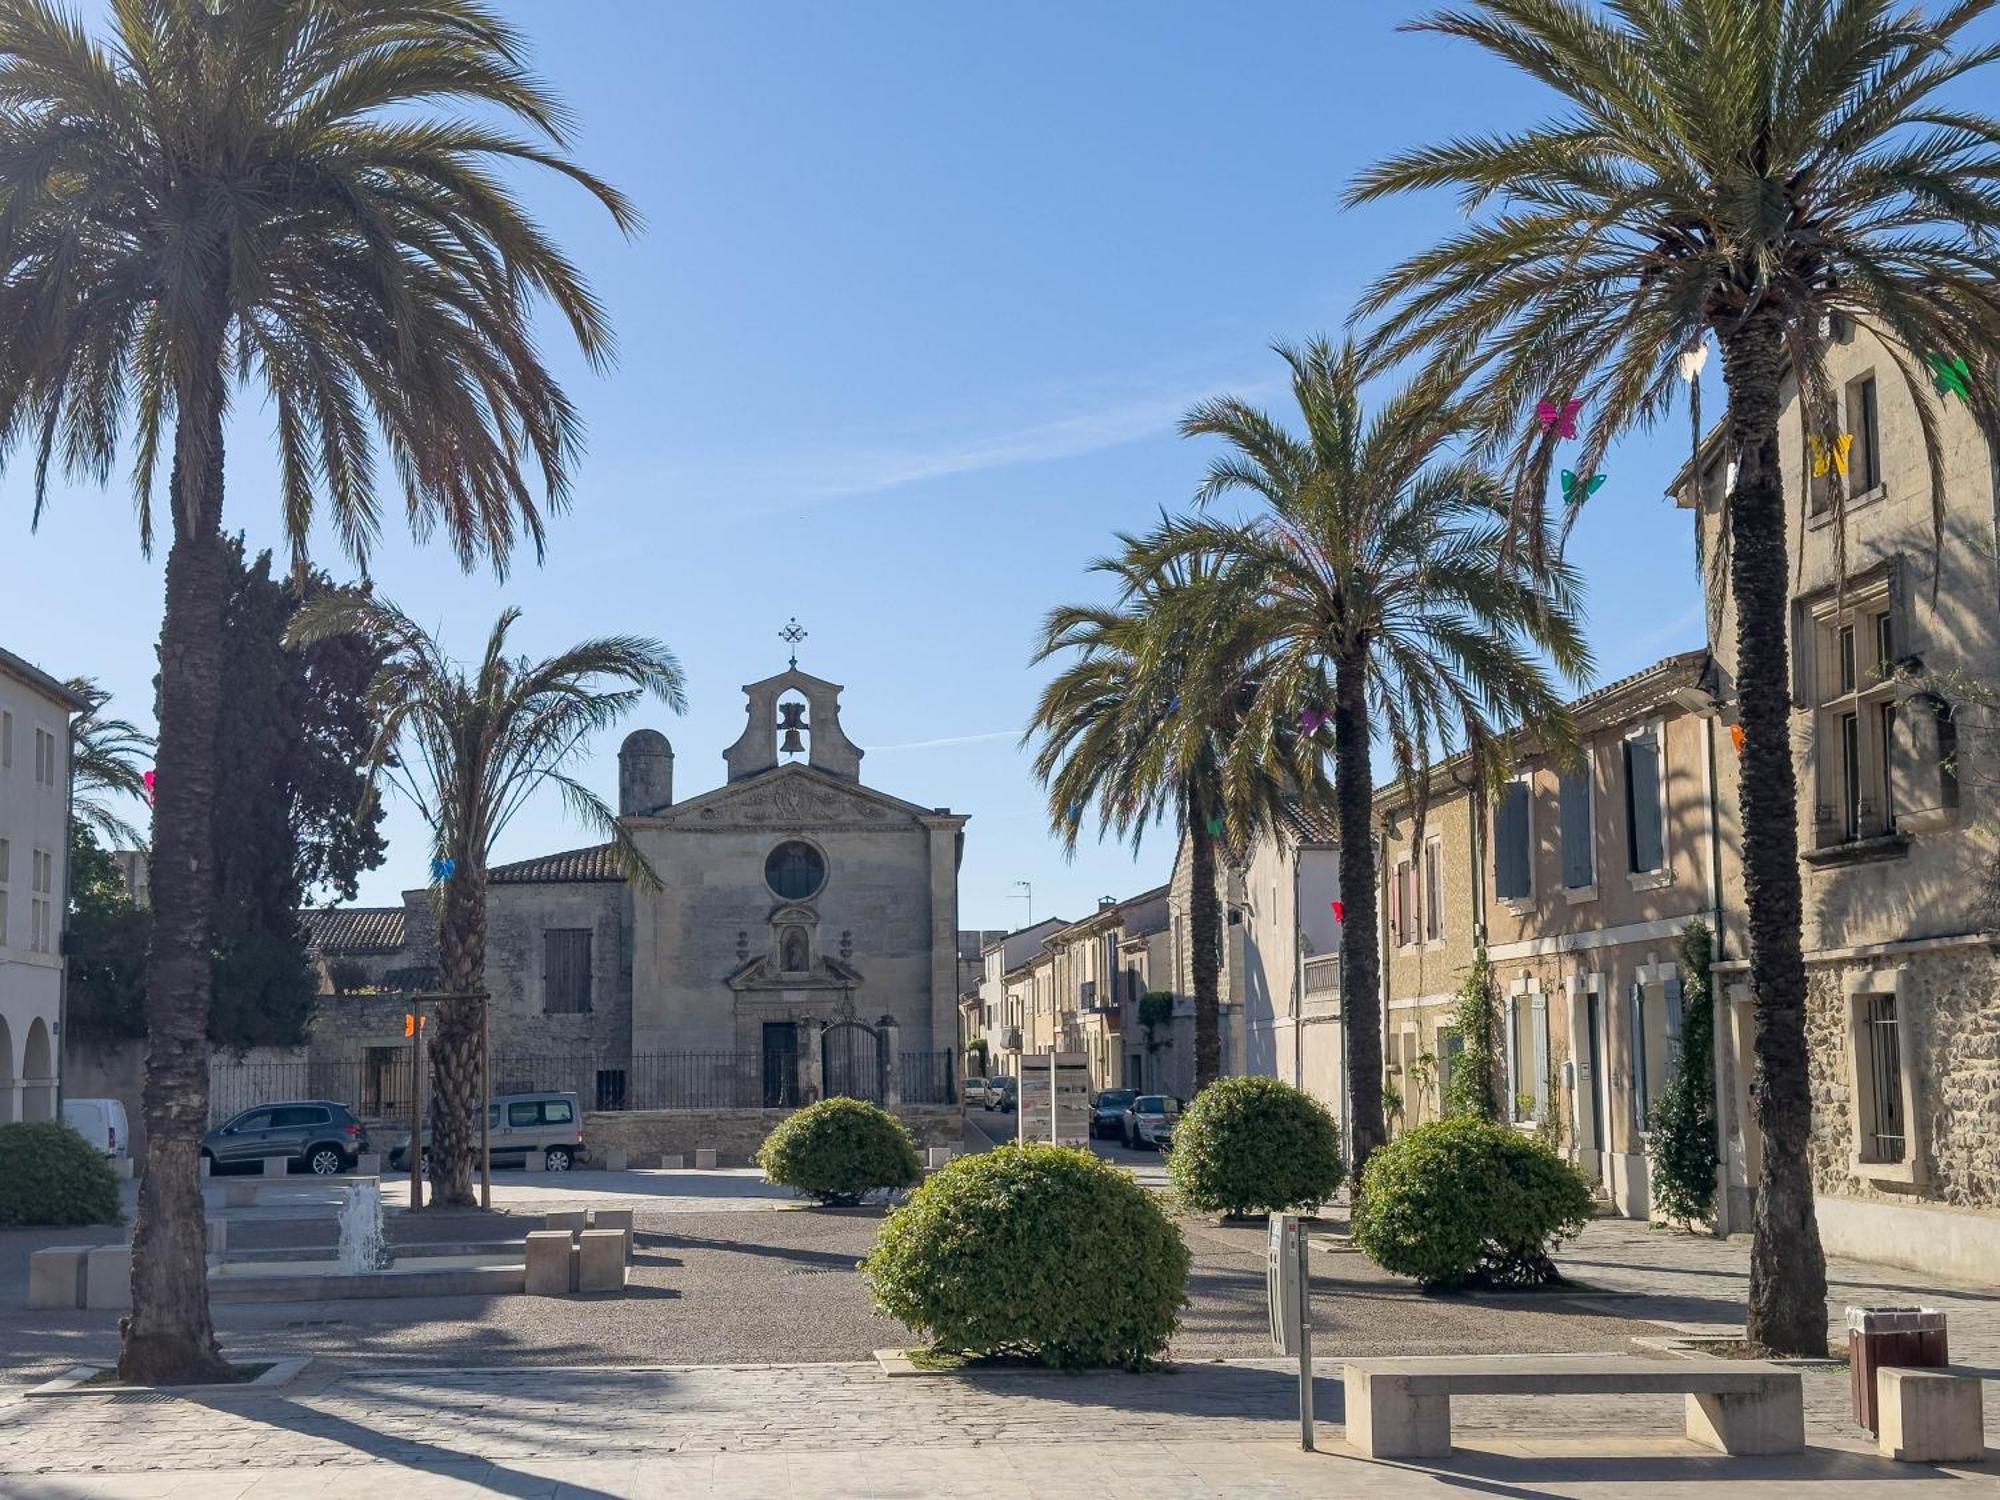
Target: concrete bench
[[55, 1276], [619, 1219], [1401, 1408], [600, 1260], [1929, 1416], [616, 1160], [550, 1269], [704, 1158]]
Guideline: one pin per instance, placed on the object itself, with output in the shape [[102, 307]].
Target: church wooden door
[[781, 1064], [851, 1053]]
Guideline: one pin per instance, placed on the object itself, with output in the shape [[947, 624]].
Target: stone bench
[[1401, 1408], [1929, 1416]]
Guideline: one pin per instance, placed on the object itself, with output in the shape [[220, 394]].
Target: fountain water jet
[[363, 1247]]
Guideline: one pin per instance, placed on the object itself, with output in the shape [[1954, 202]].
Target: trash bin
[[1909, 1337]]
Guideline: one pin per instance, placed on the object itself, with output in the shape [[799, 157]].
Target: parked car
[[1107, 1111], [315, 1135], [550, 1124], [1003, 1094], [973, 1091], [1149, 1121], [102, 1123]]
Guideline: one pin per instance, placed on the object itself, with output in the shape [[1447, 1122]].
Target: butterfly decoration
[[1576, 491], [1832, 455], [148, 779], [443, 868], [1560, 420], [1736, 737], [1076, 812], [1174, 704], [1692, 359], [1309, 720], [1339, 910], [1215, 827], [1950, 376]]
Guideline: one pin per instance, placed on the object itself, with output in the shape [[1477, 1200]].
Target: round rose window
[[795, 870]]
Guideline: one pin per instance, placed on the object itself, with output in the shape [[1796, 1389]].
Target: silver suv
[[548, 1124], [316, 1135]]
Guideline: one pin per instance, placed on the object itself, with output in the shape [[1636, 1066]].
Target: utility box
[[1911, 1338], [1281, 1281]]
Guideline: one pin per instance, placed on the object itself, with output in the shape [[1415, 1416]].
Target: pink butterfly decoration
[[1560, 419], [148, 779], [1310, 719], [1339, 911]]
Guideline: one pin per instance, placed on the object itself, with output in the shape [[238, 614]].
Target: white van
[[102, 1123]]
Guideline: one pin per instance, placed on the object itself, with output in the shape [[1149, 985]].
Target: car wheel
[[325, 1161], [558, 1159]]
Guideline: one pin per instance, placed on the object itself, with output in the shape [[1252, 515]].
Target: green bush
[[1681, 1147], [51, 1175], [1043, 1252], [1473, 1089], [1464, 1201], [838, 1150], [1254, 1145]]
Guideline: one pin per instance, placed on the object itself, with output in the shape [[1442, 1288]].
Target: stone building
[[1895, 658], [800, 935], [35, 712], [1578, 876]]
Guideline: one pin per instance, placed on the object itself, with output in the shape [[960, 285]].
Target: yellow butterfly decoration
[[1834, 457]]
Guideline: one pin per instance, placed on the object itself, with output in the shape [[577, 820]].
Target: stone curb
[[281, 1372]]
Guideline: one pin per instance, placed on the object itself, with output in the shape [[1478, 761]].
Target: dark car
[[1107, 1111], [1003, 1094], [315, 1135]]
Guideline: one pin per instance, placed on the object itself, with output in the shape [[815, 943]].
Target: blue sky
[[921, 294]]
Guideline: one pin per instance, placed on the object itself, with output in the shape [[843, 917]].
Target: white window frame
[[41, 901], [6, 739], [6, 862], [1870, 699], [1663, 873], [1860, 988]]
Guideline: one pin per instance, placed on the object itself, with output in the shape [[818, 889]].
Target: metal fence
[[377, 1085]]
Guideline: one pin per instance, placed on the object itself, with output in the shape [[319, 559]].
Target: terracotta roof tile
[[572, 867], [354, 929]]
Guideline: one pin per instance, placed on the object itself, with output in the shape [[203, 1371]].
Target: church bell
[[791, 744]]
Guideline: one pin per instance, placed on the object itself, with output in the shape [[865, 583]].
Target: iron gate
[[851, 1056]]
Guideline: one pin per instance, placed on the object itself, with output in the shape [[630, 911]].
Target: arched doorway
[[38, 1074], [9, 1094], [851, 1054]]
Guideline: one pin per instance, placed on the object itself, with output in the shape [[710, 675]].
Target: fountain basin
[[328, 1281]]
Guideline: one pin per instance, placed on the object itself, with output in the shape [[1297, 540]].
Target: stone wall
[[644, 1135], [1950, 1002]]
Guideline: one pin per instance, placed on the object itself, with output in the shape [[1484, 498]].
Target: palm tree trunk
[[1205, 932], [1360, 964], [1787, 1267], [168, 1337], [454, 1048]]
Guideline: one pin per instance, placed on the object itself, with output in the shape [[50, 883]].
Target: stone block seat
[[1930, 1416], [1401, 1408]]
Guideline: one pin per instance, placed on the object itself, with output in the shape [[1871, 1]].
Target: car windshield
[[1116, 1098], [1156, 1104]]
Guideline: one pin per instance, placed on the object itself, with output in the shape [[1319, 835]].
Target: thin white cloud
[[982, 738], [1088, 421]]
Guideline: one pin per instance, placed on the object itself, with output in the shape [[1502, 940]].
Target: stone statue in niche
[[793, 955]]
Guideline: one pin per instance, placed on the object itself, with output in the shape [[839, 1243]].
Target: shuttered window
[[1579, 846], [566, 971], [1513, 878], [1645, 838]]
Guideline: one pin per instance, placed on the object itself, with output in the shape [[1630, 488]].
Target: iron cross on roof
[[791, 635]]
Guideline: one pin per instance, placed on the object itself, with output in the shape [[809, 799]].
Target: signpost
[[1288, 1283], [1054, 1101]]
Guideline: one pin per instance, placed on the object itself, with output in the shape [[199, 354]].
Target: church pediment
[[764, 973], [793, 797]]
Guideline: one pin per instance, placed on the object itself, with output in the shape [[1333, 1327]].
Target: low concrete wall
[[645, 1135], [1962, 1244]]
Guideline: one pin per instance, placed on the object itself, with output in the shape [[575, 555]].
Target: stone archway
[[38, 1074], [9, 1090]]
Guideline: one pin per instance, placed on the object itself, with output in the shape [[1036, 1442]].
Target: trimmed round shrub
[[51, 1175], [840, 1150], [1254, 1145], [1041, 1252], [1462, 1201]]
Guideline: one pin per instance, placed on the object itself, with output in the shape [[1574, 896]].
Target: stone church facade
[[800, 937]]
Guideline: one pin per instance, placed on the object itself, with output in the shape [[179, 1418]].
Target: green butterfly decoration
[[1215, 827], [1576, 491], [1950, 376]]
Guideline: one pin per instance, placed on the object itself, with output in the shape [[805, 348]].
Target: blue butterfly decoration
[[443, 868]]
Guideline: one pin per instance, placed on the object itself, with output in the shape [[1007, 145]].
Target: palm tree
[[1137, 729], [107, 758], [1378, 562], [1747, 169], [231, 194], [469, 750]]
